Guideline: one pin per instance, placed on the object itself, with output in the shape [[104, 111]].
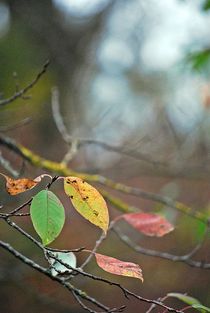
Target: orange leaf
[[117, 267], [149, 224], [16, 186]]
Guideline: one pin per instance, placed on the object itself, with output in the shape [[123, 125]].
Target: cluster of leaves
[[48, 217]]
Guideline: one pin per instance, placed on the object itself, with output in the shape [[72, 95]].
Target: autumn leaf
[[87, 201], [149, 224], [117, 267], [16, 186]]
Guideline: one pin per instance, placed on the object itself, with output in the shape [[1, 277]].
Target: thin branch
[[47, 273], [24, 122], [65, 250], [58, 119], [76, 143], [163, 255], [28, 202], [23, 91], [13, 212], [86, 308], [73, 149], [91, 276], [129, 153], [125, 291], [63, 170], [76, 291], [23, 232], [97, 244], [153, 306], [120, 309], [36, 242], [7, 166]]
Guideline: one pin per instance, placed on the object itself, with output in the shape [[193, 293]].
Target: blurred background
[[134, 74]]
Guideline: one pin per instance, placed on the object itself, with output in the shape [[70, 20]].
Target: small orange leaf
[[117, 267], [16, 186], [149, 224]]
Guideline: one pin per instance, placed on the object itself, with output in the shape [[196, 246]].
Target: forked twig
[[23, 91]]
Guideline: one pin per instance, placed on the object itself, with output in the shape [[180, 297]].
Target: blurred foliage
[[199, 60], [206, 5]]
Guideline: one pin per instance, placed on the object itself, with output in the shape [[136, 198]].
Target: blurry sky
[[173, 26], [136, 69], [135, 76]]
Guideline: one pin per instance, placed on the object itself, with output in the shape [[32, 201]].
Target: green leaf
[[47, 215], [198, 60], [190, 301], [206, 5], [200, 230], [87, 201], [187, 299], [57, 268], [201, 308]]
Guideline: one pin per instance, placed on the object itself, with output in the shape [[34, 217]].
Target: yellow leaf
[[87, 201]]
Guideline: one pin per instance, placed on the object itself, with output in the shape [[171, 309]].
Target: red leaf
[[149, 224], [118, 267]]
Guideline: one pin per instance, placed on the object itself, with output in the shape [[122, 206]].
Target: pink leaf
[[149, 224], [117, 267]]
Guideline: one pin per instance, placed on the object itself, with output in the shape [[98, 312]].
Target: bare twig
[[154, 305], [76, 143], [7, 166], [80, 271], [127, 152], [97, 244], [93, 311], [71, 142], [23, 91], [65, 250], [163, 255], [24, 122], [62, 169], [58, 119], [47, 273], [124, 290]]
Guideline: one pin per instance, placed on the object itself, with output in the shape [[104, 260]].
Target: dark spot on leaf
[[95, 213], [71, 197]]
